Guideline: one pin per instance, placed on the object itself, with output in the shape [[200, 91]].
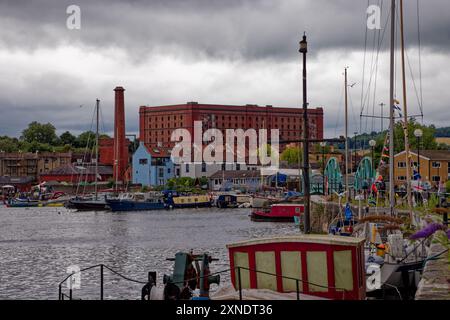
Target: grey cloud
[[221, 29]]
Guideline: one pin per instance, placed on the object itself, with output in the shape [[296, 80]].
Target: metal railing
[[69, 296], [62, 295]]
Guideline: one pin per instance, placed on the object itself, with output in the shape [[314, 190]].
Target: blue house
[[152, 166]]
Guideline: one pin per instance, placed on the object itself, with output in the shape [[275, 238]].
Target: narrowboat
[[331, 267], [136, 202], [283, 212], [174, 200], [227, 201]]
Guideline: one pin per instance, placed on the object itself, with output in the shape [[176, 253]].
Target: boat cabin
[[326, 266]]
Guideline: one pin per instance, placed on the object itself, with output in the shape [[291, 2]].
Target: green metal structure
[[333, 176], [364, 175]]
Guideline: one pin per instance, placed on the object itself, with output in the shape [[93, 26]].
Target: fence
[[152, 279]]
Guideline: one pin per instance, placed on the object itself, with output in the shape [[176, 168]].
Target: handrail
[[102, 266], [238, 268]]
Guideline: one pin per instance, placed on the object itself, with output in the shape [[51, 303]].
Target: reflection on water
[[38, 244]]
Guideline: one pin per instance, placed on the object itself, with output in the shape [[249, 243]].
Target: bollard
[[298, 290]]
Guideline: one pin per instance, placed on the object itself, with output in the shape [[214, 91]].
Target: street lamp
[[323, 144], [372, 144], [418, 133], [303, 50]]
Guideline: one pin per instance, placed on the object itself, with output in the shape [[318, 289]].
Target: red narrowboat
[[283, 212], [326, 266]]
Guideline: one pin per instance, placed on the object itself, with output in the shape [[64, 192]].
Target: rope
[[420, 57]]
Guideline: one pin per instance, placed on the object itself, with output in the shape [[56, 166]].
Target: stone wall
[[435, 282]]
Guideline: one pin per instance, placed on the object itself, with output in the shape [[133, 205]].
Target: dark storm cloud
[[240, 40], [250, 29]]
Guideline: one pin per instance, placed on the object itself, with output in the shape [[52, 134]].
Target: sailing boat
[[93, 203], [398, 270]]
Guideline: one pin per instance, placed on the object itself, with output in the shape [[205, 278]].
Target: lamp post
[[303, 50], [323, 144], [372, 144], [418, 133]]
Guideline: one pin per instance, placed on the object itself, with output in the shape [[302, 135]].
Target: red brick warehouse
[[156, 123]]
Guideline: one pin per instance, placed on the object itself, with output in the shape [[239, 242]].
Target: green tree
[[8, 144], [40, 133], [86, 139], [292, 155], [427, 142], [67, 138]]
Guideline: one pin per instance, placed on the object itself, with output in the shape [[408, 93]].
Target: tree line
[[42, 137]]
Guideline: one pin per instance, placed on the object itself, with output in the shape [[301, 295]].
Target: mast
[[96, 147], [405, 115], [346, 136], [391, 113]]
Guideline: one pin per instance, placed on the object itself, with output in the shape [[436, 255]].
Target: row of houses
[[153, 166]]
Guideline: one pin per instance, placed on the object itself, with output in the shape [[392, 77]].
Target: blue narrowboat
[[136, 202]]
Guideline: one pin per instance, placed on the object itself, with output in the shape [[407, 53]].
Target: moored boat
[[136, 202], [22, 203], [87, 204], [227, 201], [320, 265], [174, 200], [283, 212]]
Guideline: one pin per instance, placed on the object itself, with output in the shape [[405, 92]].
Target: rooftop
[[72, 169], [430, 154], [236, 174]]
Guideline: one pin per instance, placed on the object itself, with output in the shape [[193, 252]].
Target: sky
[[215, 51]]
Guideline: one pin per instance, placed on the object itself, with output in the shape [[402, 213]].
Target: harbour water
[[37, 245]]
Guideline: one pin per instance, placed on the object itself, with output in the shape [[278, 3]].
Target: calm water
[[38, 244]]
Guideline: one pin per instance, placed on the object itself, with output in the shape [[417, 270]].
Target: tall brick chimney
[[120, 146]]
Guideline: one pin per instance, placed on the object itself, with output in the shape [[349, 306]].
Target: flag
[[374, 188], [348, 212], [416, 175]]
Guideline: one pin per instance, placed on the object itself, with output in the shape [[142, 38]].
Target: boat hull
[[87, 205], [128, 205], [278, 213], [257, 217]]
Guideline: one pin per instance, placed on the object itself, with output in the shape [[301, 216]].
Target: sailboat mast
[[391, 112], [346, 137], [96, 148], [405, 114]]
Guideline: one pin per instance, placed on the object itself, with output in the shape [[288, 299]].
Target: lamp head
[[418, 133], [303, 45]]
